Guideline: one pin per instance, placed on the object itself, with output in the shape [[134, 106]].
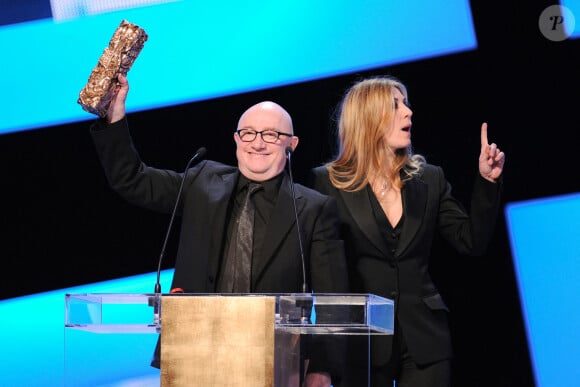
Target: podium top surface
[[303, 313], [137, 298]]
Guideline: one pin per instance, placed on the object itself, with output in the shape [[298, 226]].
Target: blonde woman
[[391, 204]]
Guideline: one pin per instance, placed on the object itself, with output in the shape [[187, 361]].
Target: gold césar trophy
[[118, 57]]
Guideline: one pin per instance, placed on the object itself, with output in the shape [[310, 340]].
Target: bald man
[[212, 197]]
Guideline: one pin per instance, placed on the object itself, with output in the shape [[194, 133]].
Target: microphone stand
[[157, 297], [306, 303]]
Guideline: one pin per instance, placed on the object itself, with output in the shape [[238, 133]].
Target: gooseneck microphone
[[288, 156], [199, 154], [305, 303]]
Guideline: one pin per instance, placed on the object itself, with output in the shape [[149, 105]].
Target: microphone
[[288, 156], [305, 304], [199, 154]]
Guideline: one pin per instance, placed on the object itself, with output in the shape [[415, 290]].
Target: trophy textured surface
[[118, 57]]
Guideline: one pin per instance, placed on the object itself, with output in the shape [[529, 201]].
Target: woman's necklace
[[383, 189]]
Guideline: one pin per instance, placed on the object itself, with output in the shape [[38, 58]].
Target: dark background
[[62, 226]]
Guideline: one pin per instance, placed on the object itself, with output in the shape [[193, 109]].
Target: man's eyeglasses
[[269, 136]]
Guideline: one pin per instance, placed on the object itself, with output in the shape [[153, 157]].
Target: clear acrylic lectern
[[207, 339]]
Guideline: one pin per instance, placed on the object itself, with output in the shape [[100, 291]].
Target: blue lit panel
[[574, 7], [201, 49], [33, 340], [545, 241]]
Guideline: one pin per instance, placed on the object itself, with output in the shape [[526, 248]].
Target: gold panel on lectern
[[203, 344]]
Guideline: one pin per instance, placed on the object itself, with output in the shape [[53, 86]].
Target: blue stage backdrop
[[32, 334], [202, 49], [545, 242], [573, 26]]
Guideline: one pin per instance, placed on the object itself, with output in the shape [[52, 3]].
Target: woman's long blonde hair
[[365, 112]]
